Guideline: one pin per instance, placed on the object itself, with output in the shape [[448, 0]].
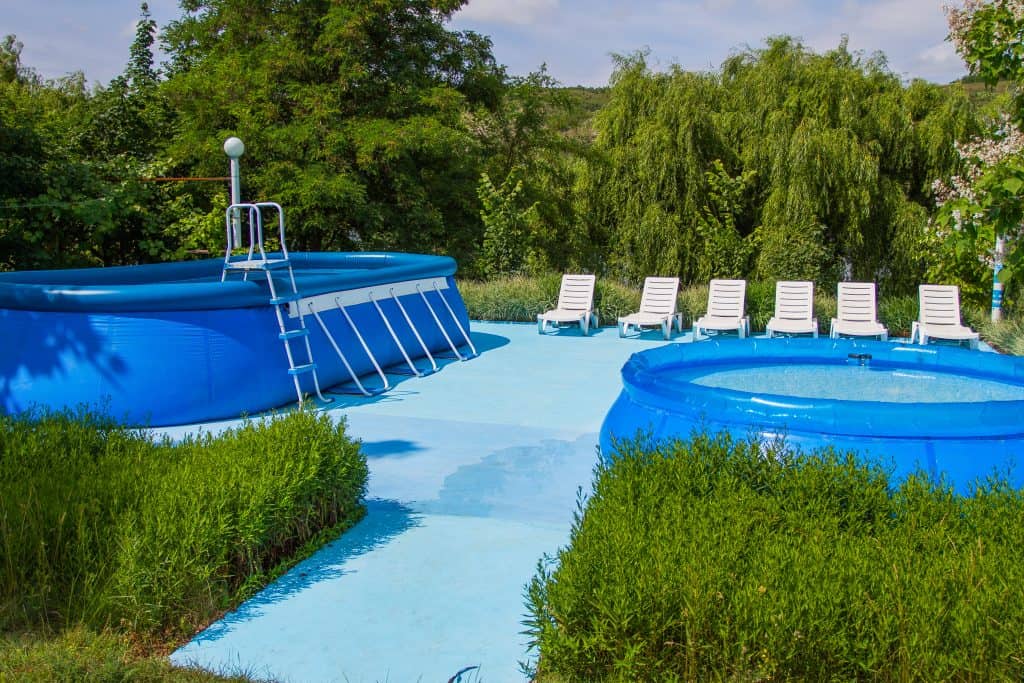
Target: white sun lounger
[[794, 309], [726, 309], [939, 316], [657, 307], [856, 314], [575, 305]]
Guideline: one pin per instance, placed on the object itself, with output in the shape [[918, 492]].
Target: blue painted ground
[[474, 473]]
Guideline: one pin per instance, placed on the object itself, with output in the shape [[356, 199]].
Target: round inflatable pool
[[956, 414], [172, 343]]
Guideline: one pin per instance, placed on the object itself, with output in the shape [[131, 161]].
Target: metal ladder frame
[[316, 304], [267, 266], [437, 320]]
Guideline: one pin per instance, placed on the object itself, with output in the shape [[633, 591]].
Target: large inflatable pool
[[173, 344], [955, 414]]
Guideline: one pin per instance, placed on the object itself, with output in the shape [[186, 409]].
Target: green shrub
[[898, 313], [104, 525], [720, 560], [519, 298]]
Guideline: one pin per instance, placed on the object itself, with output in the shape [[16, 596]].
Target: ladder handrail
[[256, 237]]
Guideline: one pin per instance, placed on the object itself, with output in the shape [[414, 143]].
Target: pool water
[[892, 384]]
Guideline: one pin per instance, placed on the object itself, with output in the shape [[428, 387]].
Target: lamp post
[[997, 286], [234, 148]]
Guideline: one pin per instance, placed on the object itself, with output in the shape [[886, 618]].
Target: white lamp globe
[[234, 147]]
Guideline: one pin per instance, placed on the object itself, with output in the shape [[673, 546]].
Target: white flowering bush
[[987, 198]]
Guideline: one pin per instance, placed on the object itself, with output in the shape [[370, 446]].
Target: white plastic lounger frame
[[940, 316], [575, 305], [726, 309], [657, 307], [794, 309], [856, 314]]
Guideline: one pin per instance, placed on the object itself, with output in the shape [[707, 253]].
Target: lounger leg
[[885, 336], [666, 328], [585, 324], [540, 324]]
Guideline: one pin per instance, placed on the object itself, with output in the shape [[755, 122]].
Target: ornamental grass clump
[[714, 559], [107, 526]]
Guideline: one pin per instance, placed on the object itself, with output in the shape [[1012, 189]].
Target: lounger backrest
[[940, 304], [726, 298], [857, 302], [659, 295], [794, 300], [577, 293]]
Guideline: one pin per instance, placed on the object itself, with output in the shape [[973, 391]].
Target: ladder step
[[285, 299], [258, 264], [302, 369], [294, 334]]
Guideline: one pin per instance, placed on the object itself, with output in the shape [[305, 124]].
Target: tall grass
[[80, 655], [1005, 335], [715, 560], [106, 526], [520, 298]]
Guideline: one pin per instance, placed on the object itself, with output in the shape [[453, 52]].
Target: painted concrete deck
[[474, 473]]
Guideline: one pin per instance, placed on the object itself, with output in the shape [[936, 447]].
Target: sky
[[574, 38]]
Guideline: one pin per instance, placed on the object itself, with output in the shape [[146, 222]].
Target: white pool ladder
[[256, 260]]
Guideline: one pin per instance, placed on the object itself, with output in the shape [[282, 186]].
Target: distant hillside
[[985, 96]]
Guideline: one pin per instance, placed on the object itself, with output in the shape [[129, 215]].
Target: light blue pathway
[[474, 473]]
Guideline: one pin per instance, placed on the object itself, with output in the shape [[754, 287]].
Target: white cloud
[[942, 55], [516, 12]]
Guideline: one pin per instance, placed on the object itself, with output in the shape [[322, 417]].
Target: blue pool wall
[[958, 443], [170, 344]]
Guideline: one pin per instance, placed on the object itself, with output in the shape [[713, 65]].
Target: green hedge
[[714, 560], [106, 526], [520, 298]]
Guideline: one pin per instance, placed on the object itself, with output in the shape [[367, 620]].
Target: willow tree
[[815, 166]]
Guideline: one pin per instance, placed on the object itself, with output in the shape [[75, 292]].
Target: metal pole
[[997, 286], [234, 148]]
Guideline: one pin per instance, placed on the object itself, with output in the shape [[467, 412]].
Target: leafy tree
[[986, 201], [353, 114], [525, 142]]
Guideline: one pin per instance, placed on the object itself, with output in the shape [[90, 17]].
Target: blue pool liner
[[955, 443], [169, 344]]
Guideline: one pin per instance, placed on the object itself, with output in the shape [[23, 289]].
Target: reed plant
[[109, 527], [714, 559]]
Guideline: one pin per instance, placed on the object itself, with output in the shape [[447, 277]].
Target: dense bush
[[107, 526], [519, 298], [715, 560]]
